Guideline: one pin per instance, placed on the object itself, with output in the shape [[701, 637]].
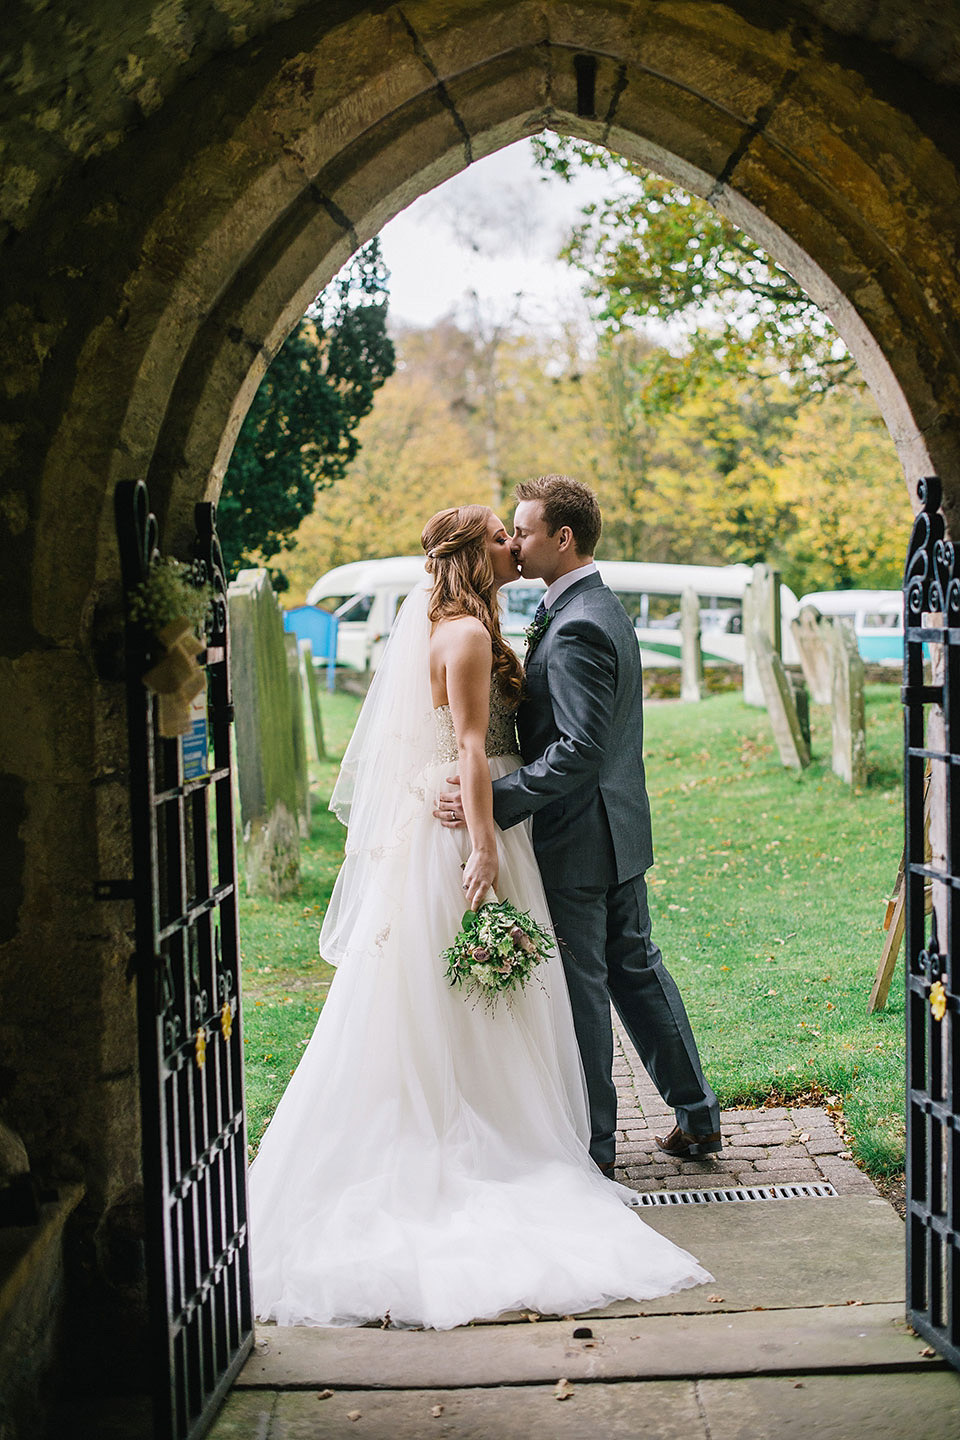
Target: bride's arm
[[468, 658]]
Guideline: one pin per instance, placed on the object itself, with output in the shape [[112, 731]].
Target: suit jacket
[[581, 741]]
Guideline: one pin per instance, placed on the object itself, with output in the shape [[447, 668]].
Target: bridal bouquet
[[497, 949]]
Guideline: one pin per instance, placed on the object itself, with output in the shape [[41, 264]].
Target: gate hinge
[[114, 890]]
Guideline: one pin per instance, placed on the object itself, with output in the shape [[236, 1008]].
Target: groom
[[581, 739]]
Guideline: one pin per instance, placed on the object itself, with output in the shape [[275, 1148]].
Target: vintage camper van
[[877, 617], [366, 594]]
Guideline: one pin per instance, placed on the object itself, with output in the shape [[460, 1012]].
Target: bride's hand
[[479, 876]]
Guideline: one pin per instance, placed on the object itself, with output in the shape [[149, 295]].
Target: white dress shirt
[[555, 590]]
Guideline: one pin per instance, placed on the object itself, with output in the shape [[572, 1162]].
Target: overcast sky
[[495, 228]]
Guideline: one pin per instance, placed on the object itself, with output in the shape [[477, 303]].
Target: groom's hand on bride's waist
[[449, 809]]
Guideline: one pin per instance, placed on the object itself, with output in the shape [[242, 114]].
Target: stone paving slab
[[783, 1254], [761, 1147], [766, 1342], [767, 1258], [833, 1407], [827, 1407]]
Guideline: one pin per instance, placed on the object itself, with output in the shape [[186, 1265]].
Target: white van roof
[[404, 571], [726, 581], [851, 602], [361, 576]]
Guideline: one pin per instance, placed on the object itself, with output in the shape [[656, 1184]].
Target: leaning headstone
[[266, 762], [314, 718], [761, 620], [848, 714], [801, 700], [814, 641], [299, 725], [691, 655], [778, 698]]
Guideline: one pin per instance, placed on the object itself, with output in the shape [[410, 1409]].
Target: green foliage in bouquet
[[496, 950], [172, 589]]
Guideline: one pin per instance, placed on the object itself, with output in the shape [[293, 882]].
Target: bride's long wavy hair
[[456, 544]]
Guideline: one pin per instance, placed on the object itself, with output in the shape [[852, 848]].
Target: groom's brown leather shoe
[[689, 1147]]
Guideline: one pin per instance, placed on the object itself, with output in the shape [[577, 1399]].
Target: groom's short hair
[[566, 502]]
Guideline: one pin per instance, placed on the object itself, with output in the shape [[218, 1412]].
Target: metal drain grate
[[708, 1197]]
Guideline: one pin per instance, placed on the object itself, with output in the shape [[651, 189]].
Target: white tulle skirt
[[428, 1160]]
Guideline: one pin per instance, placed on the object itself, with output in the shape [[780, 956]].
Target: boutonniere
[[537, 630]]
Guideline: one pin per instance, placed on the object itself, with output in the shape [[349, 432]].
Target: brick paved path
[[760, 1147]]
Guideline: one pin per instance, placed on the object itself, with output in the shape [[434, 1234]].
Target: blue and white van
[[877, 617]]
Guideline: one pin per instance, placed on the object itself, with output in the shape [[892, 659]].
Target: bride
[[428, 1161]]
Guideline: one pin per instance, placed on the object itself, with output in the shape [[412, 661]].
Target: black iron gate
[[931, 699], [188, 1004]]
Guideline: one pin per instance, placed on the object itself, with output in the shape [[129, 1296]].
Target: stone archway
[[182, 188]]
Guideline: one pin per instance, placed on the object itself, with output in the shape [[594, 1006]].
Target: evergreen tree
[[299, 435]]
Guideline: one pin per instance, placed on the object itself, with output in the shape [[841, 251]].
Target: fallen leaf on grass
[[562, 1390]]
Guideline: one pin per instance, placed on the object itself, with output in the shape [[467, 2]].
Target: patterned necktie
[[539, 614]]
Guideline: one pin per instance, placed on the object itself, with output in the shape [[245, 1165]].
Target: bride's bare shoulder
[[461, 633]]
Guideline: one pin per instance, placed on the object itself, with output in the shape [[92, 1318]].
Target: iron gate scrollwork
[[187, 964], [931, 699]]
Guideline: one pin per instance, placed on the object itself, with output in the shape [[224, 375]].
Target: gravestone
[[266, 760], [298, 722], [847, 714], [778, 698], [814, 641], [314, 718], [801, 700], [691, 660], [761, 621]]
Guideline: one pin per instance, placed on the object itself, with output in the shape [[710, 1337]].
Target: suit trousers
[[609, 955]]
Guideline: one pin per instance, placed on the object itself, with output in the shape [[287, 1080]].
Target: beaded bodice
[[501, 731]]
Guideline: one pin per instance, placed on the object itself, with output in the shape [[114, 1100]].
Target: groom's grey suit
[[581, 739]]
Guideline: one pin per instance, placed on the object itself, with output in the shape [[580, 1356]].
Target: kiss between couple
[[433, 1160]]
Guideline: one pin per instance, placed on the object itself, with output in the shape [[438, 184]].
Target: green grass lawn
[[767, 896], [284, 979]]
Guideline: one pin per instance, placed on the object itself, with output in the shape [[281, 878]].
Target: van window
[[881, 620], [357, 609], [520, 605]]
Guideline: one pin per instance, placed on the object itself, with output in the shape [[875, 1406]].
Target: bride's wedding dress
[[428, 1160]]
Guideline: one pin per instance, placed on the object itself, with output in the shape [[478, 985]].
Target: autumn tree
[[300, 433], [841, 484], [653, 253], [416, 455]]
